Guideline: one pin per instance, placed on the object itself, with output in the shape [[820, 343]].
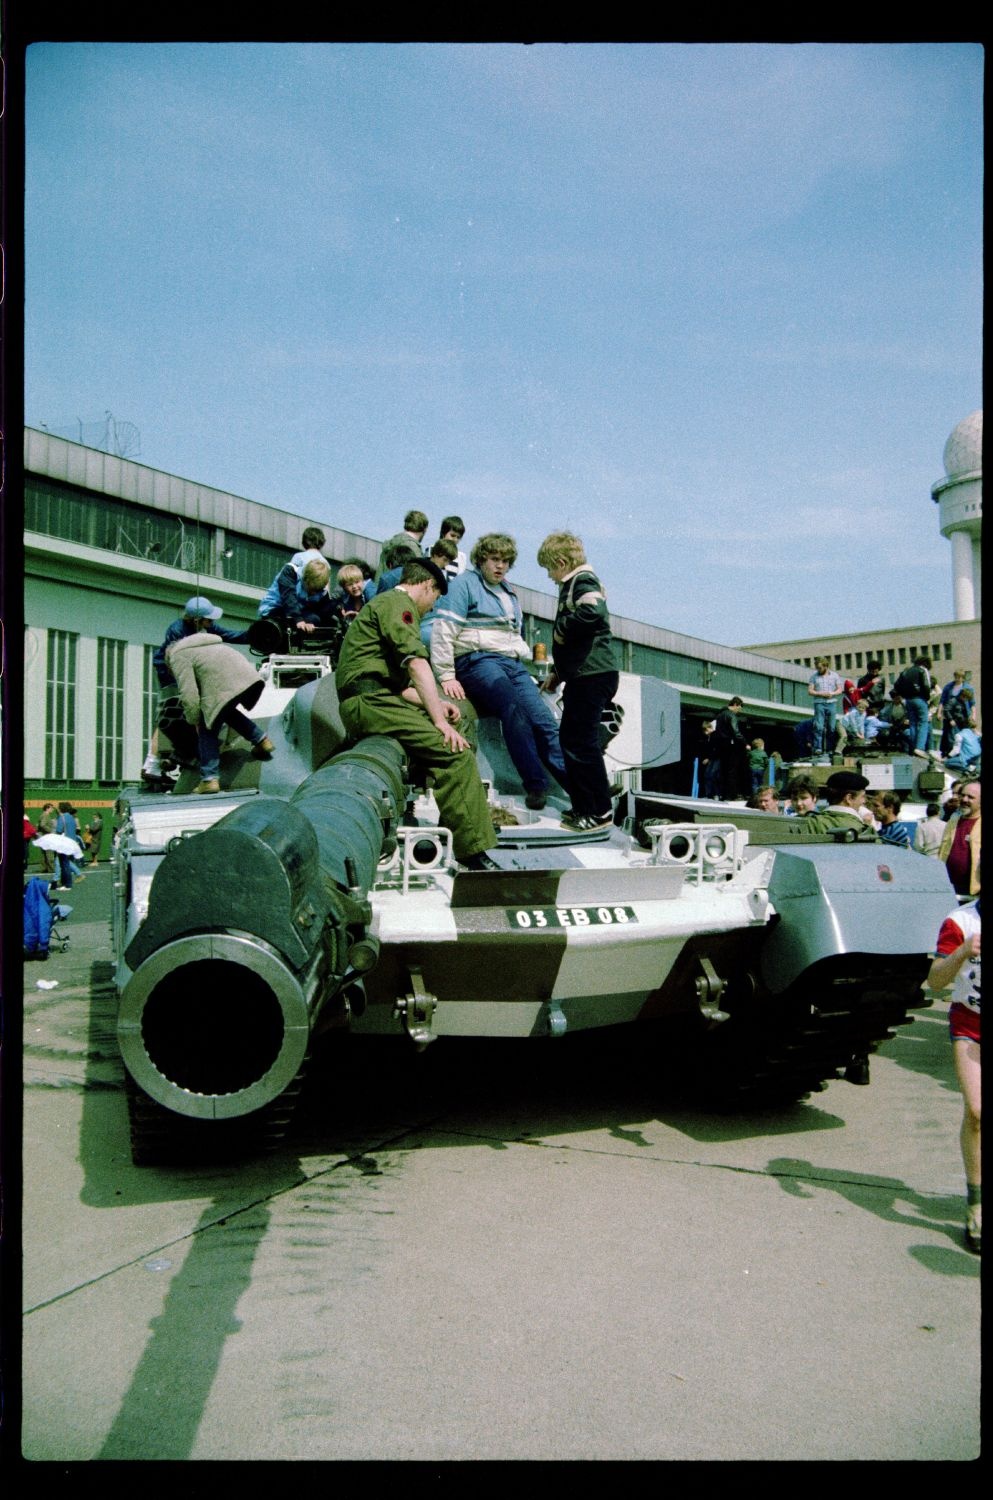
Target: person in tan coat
[[213, 680]]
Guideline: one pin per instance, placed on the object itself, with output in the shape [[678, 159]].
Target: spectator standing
[[825, 687], [410, 539], [66, 824], [957, 966], [930, 831], [729, 744], [30, 832], [887, 807], [956, 709], [758, 764], [46, 824], [803, 739], [914, 686], [584, 660], [710, 766], [871, 686], [960, 847], [95, 830]]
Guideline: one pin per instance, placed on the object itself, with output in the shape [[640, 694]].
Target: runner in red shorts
[[958, 967]]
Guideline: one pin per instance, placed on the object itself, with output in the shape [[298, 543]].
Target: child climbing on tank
[[585, 661]]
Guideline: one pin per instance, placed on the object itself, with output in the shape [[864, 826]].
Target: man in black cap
[[845, 792], [386, 686]]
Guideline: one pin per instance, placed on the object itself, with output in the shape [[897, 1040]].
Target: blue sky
[[715, 307]]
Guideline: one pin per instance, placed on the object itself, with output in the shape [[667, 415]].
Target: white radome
[[964, 448]]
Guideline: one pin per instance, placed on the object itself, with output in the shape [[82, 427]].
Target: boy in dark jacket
[[584, 657]]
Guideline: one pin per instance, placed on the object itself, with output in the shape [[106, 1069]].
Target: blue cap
[[201, 608]]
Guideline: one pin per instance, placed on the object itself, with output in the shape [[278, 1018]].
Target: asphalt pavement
[[524, 1250]]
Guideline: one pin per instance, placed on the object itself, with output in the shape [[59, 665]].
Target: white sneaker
[[974, 1226]]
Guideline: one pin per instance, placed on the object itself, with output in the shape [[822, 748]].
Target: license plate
[[534, 918]]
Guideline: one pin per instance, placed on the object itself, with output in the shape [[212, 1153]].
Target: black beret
[[433, 569], [846, 781]]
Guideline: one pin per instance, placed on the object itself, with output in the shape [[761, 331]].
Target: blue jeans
[[209, 745], [920, 728], [825, 718], [503, 687]]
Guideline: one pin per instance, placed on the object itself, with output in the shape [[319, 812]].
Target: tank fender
[[835, 899]]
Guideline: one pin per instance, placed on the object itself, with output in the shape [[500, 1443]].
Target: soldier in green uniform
[[386, 686], [845, 792]]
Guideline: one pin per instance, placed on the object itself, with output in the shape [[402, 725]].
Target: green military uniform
[[371, 675], [836, 817]]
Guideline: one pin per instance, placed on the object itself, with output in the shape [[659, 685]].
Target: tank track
[[159, 1137], [795, 1047]]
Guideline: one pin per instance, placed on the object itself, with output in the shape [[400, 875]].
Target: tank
[[317, 892]]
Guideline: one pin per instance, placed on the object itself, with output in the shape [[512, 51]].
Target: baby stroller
[[61, 912], [43, 913]]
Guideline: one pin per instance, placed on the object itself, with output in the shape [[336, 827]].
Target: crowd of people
[[472, 637], [915, 715], [950, 831], [425, 642], [848, 718], [63, 822]]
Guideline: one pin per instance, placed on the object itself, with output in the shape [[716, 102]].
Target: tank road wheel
[[160, 1137], [779, 1049], [761, 1054]]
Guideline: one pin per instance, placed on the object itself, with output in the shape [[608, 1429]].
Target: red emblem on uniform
[[884, 872], [407, 617]]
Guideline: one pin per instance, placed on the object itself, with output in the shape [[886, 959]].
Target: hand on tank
[[452, 688]]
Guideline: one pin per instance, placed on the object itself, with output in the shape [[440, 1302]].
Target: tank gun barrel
[[253, 927]]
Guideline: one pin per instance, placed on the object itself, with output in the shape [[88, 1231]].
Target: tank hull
[[327, 897]]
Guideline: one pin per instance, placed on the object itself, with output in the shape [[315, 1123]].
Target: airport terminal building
[[112, 551]]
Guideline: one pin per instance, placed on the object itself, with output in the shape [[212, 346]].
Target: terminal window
[[60, 706], [110, 709]]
